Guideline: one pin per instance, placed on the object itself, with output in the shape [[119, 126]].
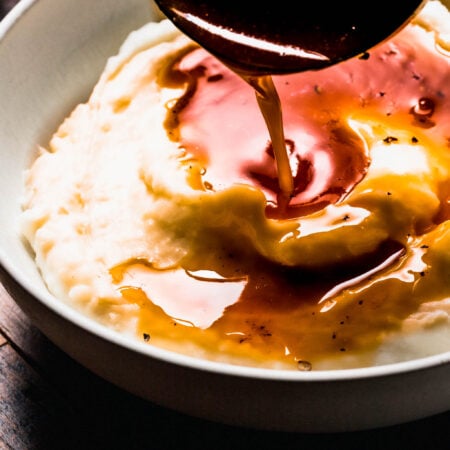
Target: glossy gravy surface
[[296, 315]]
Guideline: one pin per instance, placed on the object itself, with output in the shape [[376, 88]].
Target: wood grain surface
[[48, 401]]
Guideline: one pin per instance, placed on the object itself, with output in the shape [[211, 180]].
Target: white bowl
[[51, 53]]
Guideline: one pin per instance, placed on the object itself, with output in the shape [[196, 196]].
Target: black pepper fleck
[[146, 337], [214, 78]]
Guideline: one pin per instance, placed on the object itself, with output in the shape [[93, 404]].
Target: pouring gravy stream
[[257, 42]]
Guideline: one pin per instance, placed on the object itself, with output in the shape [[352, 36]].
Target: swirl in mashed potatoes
[[154, 207]]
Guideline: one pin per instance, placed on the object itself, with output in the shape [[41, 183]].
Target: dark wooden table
[[48, 401]]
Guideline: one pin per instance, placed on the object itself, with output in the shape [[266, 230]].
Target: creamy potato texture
[[154, 207]]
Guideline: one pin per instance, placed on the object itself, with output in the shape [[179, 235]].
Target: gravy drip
[[270, 106]]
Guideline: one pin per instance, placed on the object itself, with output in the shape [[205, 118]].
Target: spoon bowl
[[287, 38]]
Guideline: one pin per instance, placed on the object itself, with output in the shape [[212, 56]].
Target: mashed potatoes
[[154, 207]]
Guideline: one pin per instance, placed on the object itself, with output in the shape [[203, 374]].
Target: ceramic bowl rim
[[90, 325]]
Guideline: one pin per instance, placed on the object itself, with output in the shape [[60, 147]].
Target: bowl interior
[[49, 63]]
